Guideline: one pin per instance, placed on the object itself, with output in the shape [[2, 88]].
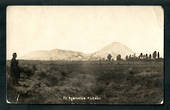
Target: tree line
[[132, 57]]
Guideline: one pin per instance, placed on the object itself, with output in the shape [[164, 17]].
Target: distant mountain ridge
[[114, 49], [55, 54]]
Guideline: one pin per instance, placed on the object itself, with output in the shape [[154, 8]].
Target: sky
[[84, 28]]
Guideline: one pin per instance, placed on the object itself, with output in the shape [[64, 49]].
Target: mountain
[[56, 54], [114, 49]]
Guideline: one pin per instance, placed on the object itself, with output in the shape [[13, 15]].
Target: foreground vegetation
[[60, 82]]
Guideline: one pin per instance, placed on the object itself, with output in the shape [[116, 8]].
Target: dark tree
[[154, 54], [127, 57], [150, 56], [146, 56], [118, 57], [130, 57], [109, 57], [158, 55], [141, 55]]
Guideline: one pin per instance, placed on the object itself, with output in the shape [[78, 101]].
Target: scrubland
[[124, 82]]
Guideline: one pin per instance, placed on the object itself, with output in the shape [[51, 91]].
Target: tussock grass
[[115, 83]]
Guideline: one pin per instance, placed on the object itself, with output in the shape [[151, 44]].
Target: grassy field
[[87, 82]]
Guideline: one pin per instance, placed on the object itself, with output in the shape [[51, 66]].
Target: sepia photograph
[[85, 54]]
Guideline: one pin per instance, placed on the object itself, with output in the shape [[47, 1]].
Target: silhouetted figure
[[15, 73]]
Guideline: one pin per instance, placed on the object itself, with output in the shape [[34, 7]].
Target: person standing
[[15, 73]]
